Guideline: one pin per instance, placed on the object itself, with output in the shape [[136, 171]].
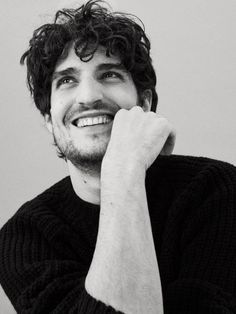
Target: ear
[[48, 122], [146, 100]]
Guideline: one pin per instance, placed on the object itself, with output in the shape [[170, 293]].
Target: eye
[[111, 75], [65, 81]]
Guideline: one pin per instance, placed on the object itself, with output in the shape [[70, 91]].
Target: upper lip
[[91, 114]]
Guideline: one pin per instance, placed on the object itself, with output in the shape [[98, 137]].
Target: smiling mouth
[[90, 121]]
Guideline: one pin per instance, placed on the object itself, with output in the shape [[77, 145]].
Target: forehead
[[72, 60]]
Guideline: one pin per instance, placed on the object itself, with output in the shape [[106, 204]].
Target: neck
[[86, 184]]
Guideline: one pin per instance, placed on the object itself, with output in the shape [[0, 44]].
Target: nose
[[89, 92]]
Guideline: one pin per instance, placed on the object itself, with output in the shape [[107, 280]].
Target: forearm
[[124, 271]]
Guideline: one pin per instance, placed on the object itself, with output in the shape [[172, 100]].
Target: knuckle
[[173, 132], [165, 123], [165, 126], [151, 114], [136, 109], [120, 112]]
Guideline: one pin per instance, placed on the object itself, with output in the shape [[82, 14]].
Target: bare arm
[[124, 272]]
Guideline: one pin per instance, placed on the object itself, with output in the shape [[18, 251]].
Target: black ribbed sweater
[[46, 248]]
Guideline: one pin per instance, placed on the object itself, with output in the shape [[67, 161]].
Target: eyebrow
[[65, 72], [111, 66], [100, 67]]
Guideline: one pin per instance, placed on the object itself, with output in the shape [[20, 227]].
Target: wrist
[[117, 168]]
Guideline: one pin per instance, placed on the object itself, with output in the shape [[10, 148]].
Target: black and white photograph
[[118, 163]]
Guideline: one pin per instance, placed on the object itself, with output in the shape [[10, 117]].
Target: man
[[129, 230]]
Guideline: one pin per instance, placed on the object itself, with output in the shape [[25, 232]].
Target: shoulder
[[189, 163], [186, 168], [188, 175], [40, 208]]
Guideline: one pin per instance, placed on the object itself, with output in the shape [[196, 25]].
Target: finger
[[169, 144]]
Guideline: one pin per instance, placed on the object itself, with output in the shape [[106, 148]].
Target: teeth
[[93, 121]]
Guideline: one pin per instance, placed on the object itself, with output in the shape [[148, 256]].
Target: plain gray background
[[193, 49]]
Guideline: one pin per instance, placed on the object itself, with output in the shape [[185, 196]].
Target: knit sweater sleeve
[[38, 277], [203, 218]]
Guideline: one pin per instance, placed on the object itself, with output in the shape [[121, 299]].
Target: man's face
[[85, 96]]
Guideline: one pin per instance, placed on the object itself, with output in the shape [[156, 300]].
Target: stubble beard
[[86, 161]]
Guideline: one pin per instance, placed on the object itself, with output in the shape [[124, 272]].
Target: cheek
[[126, 98], [59, 108]]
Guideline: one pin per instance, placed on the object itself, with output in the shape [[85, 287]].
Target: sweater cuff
[[90, 305]]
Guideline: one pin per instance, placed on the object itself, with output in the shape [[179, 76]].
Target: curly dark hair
[[88, 27]]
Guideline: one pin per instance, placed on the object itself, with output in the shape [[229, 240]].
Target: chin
[[84, 154], [88, 159]]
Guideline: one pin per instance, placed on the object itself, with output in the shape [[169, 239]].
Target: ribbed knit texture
[[46, 248]]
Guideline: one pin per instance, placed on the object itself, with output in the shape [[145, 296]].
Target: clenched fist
[[138, 137]]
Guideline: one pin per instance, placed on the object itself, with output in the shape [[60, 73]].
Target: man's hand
[[139, 137], [124, 271]]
